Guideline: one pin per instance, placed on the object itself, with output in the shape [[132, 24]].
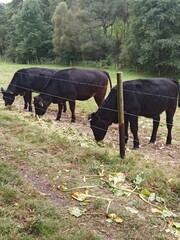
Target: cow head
[[8, 97], [98, 126], [40, 106]]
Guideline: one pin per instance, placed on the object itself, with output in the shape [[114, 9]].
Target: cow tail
[[110, 82]]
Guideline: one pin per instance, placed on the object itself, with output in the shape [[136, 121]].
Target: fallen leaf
[[109, 220], [160, 199], [118, 192], [152, 197], [61, 188], [176, 225], [118, 220], [139, 179], [87, 201], [156, 210], [132, 210], [79, 196], [112, 217], [117, 178], [145, 192], [167, 213], [77, 212]]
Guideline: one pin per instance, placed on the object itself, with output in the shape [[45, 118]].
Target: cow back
[[150, 97], [30, 79], [76, 84]]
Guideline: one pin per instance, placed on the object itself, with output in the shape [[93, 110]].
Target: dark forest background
[[142, 35]]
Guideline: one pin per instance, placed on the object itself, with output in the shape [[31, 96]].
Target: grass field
[[57, 183]]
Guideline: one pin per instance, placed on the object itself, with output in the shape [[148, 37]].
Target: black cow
[[73, 84], [26, 81], [143, 97]]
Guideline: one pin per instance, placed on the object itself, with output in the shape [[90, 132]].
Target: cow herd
[[142, 97]]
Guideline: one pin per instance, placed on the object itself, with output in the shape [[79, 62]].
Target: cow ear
[[41, 103], [89, 117], [93, 116], [38, 100], [2, 90]]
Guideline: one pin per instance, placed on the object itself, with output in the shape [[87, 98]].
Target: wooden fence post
[[120, 108]]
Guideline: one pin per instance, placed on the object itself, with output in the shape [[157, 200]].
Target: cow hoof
[[73, 120]]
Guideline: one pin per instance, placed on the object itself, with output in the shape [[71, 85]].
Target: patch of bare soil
[[42, 186]]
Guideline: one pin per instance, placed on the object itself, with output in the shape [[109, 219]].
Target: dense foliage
[[143, 34], [153, 39]]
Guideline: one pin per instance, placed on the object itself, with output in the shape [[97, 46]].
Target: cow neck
[[108, 109], [13, 86]]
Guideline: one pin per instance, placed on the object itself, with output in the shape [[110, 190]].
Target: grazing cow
[[143, 97], [73, 84], [26, 81]]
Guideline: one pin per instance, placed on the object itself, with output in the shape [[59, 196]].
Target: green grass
[[38, 156]]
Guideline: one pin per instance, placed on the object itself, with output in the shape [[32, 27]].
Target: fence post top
[[119, 74]]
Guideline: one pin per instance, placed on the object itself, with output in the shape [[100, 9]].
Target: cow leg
[[60, 106], [25, 102], [134, 130], [156, 121], [126, 130], [28, 99], [64, 107], [72, 108], [169, 123]]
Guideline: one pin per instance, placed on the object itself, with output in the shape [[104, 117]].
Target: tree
[[67, 33], [153, 39], [84, 30], [30, 31], [28, 37], [103, 20], [2, 29], [103, 12]]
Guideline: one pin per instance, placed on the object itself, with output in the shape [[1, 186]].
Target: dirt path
[[42, 187]]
